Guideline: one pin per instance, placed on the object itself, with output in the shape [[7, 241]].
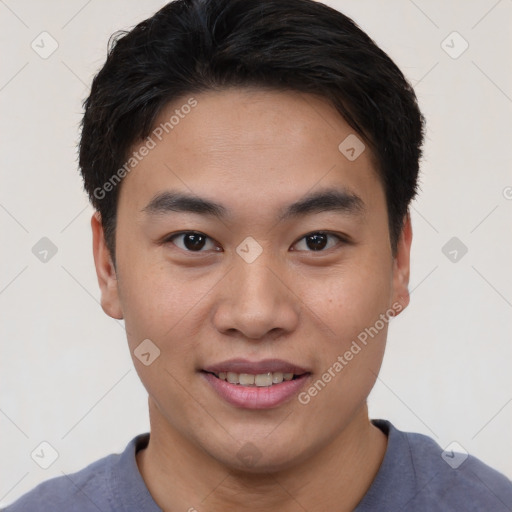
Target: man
[[252, 165]]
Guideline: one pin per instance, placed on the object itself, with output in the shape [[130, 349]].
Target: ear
[[105, 270], [401, 265]]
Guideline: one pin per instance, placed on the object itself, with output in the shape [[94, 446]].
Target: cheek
[[151, 303], [352, 299], [165, 306], [158, 308], [352, 353], [351, 305]]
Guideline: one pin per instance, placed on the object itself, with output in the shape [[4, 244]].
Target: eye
[[192, 241], [317, 241]]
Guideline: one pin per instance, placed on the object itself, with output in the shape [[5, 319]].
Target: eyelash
[[341, 240]]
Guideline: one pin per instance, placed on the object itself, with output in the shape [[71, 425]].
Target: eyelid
[[170, 239], [342, 239]]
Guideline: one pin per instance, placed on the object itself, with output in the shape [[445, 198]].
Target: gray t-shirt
[[414, 476]]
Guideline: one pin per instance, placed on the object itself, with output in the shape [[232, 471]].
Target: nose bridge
[[258, 280], [256, 301]]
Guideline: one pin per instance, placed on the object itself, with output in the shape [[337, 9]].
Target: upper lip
[[255, 367]]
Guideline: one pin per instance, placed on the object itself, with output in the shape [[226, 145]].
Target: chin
[[263, 456], [265, 464]]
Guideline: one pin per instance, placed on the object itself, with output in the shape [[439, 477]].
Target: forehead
[[249, 147]]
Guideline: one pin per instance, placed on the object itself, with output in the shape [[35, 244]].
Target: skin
[[255, 152]]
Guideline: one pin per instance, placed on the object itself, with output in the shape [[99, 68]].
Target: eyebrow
[[326, 200]]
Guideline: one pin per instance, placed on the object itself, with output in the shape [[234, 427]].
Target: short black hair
[[194, 46]]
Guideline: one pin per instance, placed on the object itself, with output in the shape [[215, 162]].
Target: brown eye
[[192, 241], [317, 241]]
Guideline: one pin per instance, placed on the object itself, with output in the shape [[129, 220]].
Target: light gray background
[[66, 374]]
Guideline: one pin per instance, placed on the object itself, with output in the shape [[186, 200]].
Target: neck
[[180, 476]]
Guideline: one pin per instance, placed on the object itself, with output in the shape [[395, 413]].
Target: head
[[252, 165]]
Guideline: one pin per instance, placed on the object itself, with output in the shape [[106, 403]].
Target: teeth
[[260, 380], [233, 378], [277, 377], [263, 380], [245, 379]]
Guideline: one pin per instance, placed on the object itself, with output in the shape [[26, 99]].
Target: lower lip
[[256, 397]]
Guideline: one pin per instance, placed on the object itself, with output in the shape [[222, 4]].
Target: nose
[[256, 302]]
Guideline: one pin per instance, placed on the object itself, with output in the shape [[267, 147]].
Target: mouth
[[260, 380], [256, 385]]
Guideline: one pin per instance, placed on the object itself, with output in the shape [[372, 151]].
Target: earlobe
[[105, 270], [401, 265]]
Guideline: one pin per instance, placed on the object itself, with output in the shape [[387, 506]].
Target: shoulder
[[447, 480], [82, 491], [90, 489]]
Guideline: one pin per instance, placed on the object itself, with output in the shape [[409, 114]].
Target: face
[[247, 242]]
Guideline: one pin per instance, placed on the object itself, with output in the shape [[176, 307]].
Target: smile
[[256, 385], [260, 380]]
